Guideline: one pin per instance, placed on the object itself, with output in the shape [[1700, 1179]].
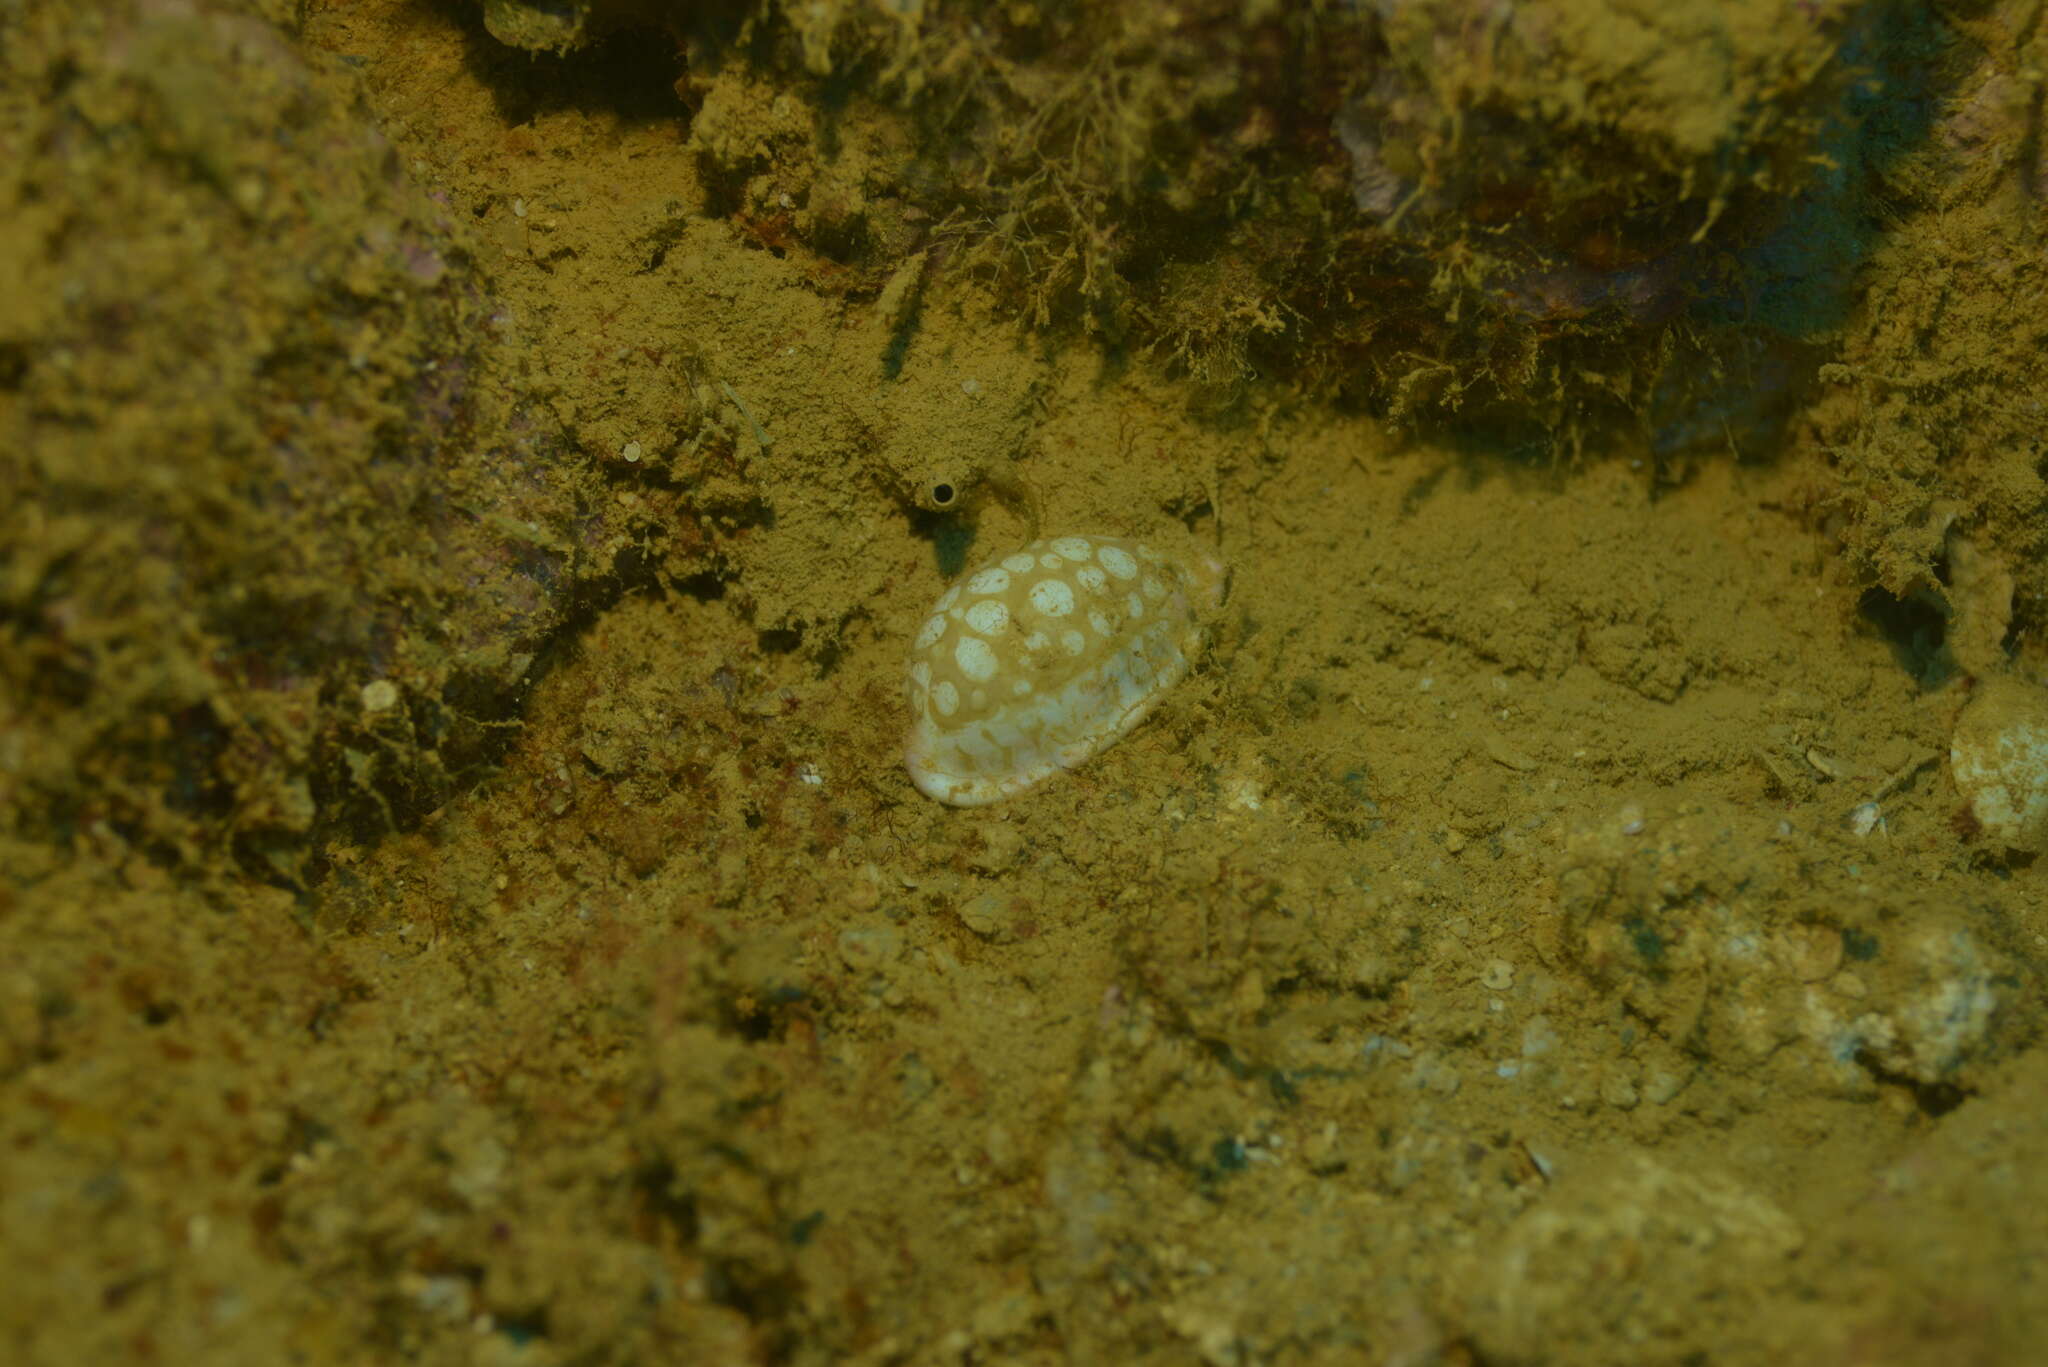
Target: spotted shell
[[1038, 660]]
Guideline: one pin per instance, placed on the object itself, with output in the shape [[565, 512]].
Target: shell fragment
[[1041, 658]]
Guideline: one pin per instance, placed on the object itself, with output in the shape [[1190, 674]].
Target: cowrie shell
[[1046, 656]]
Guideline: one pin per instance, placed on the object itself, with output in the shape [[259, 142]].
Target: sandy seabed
[[460, 897]]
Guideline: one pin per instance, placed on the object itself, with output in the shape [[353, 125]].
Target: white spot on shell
[[934, 628], [1072, 547], [1135, 606], [1100, 621], [990, 580], [1020, 687], [1073, 642], [1092, 579], [1019, 563], [975, 658], [947, 599], [1117, 561], [989, 617], [1154, 590], [946, 698], [1052, 597]]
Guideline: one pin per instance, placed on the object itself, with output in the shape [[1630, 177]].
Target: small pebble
[[1663, 1084], [997, 916], [1998, 757], [866, 947]]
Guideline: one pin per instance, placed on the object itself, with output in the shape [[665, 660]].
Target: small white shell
[[1999, 758], [1046, 660]]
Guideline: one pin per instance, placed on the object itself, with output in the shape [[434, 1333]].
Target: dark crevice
[[1916, 628], [656, 1186], [629, 74], [1935, 1099], [14, 358], [707, 586], [370, 782]]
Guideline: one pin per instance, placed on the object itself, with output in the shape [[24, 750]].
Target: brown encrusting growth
[[472, 473]]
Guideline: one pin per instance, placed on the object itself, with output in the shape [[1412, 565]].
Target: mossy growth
[[280, 545], [1546, 220]]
